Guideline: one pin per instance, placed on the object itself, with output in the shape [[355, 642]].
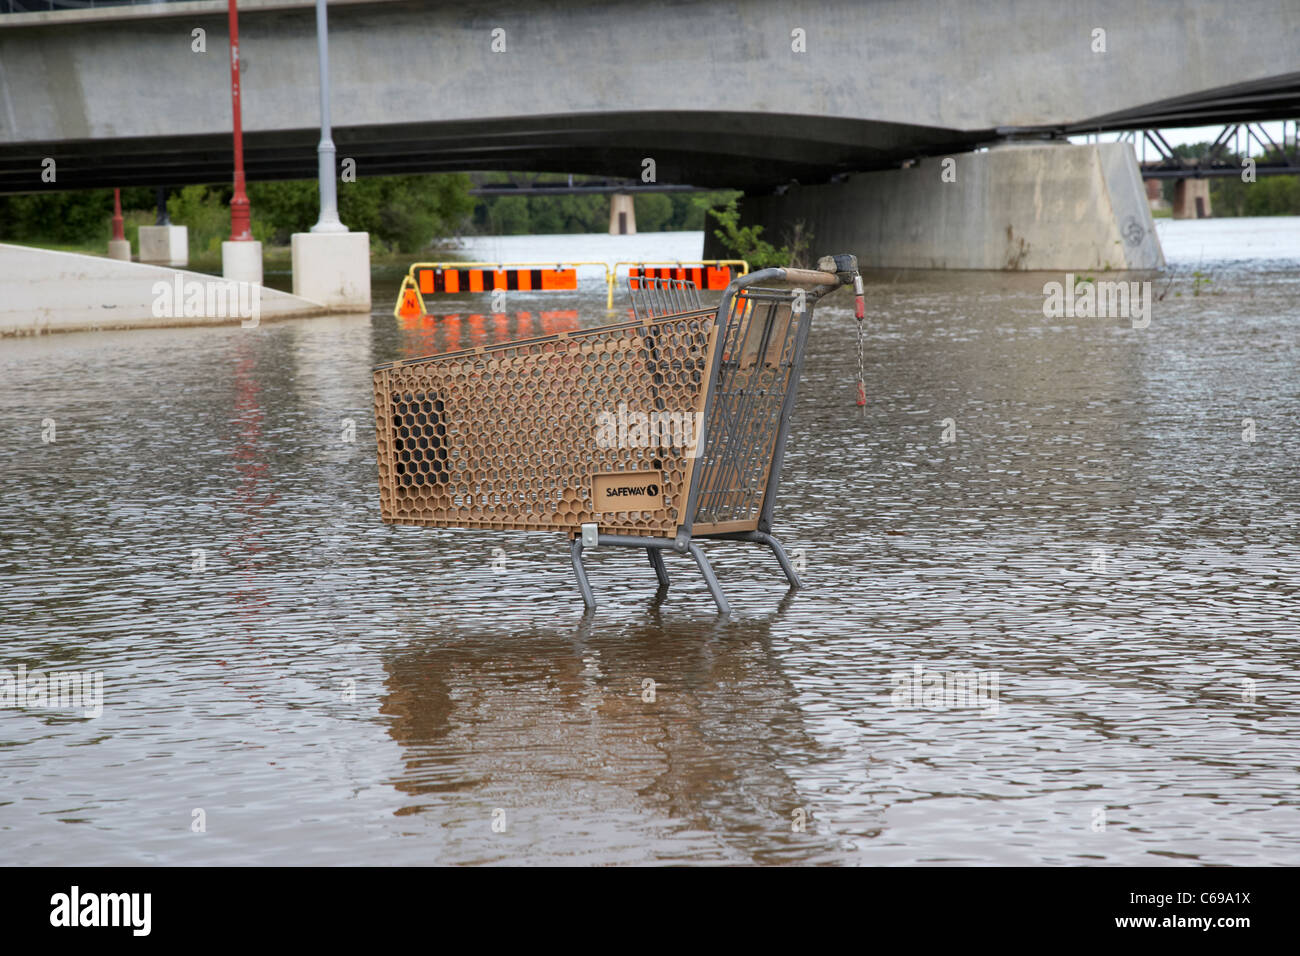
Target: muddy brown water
[[1098, 536]]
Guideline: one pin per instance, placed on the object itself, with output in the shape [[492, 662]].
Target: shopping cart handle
[[810, 277], [844, 265]]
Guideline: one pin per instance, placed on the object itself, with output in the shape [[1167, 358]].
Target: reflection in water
[[1098, 532], [433, 333], [252, 496], [690, 726]]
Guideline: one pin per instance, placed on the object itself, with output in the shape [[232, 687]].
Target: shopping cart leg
[[709, 579], [779, 551], [657, 562], [575, 551]]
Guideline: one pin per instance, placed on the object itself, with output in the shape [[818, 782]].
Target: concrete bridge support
[[1192, 199], [1022, 207], [622, 215]]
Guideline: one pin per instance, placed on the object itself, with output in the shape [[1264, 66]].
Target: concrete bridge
[[755, 95]]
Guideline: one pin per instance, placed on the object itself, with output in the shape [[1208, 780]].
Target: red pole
[[118, 232], [240, 228]]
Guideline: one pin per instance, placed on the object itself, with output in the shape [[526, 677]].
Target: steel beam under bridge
[[574, 189]]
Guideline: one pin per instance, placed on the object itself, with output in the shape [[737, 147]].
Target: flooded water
[[1099, 522]]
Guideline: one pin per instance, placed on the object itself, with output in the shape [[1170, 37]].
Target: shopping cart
[[651, 433]]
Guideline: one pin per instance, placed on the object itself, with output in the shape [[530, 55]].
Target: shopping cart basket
[[651, 433]]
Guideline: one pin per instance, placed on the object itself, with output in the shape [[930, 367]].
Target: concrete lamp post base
[[242, 261], [165, 245], [119, 249], [333, 268]]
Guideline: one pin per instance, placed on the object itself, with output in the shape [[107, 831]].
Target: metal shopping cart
[[650, 433]]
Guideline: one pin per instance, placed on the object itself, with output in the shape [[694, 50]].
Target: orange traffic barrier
[[455, 278], [434, 279]]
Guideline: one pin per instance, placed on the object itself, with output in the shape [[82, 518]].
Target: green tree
[[746, 242], [1230, 196], [654, 211], [507, 215], [503, 215], [66, 217], [689, 209], [407, 213], [288, 206], [205, 212], [544, 216]]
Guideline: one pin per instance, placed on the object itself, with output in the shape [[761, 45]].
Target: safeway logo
[[624, 490]]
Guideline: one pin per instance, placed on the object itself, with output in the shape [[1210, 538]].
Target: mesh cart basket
[[651, 433]]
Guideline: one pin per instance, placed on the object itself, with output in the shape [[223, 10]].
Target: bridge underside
[[705, 149], [716, 96], [734, 150], [844, 131]]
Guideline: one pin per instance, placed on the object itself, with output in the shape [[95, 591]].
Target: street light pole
[[118, 247], [118, 232], [329, 207], [240, 227], [331, 266]]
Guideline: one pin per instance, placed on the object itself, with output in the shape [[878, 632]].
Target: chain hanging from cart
[[860, 314]]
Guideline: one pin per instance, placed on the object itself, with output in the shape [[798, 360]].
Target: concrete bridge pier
[[622, 215], [1192, 199], [1018, 206]]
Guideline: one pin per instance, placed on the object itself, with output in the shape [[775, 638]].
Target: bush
[[405, 213], [745, 242], [654, 211]]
